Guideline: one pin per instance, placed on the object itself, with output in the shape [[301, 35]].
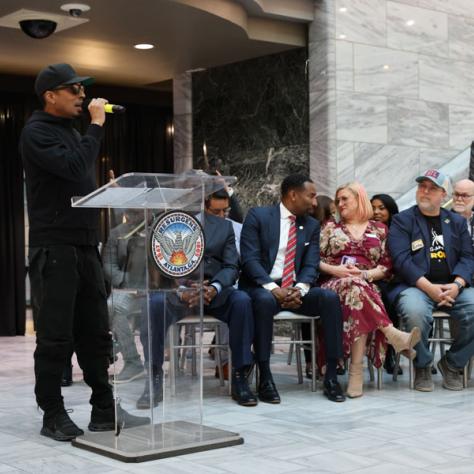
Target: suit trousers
[[317, 302], [68, 290], [166, 309]]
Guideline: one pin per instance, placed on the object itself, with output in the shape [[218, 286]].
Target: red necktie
[[289, 266]]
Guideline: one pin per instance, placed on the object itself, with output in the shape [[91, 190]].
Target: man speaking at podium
[[65, 269]]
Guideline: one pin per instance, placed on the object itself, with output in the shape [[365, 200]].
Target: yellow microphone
[[114, 109]]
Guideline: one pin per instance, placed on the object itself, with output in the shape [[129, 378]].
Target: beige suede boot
[[356, 380], [403, 341]]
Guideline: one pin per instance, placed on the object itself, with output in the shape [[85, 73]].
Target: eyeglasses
[[463, 196], [219, 212], [74, 89]]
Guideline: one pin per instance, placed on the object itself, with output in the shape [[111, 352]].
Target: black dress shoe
[[241, 392], [267, 392], [333, 391]]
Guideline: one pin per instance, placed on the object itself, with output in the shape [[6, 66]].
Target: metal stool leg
[[313, 355], [298, 347]]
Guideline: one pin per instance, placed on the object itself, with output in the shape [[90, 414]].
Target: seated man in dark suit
[[433, 259], [279, 248], [221, 300]]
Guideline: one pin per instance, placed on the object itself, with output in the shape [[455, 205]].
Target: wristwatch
[[459, 285]]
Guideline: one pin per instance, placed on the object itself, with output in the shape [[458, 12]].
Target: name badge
[[417, 245]]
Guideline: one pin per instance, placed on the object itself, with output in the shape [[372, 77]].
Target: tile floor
[[390, 431]]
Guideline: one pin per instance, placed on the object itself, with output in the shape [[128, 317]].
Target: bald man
[[463, 203]]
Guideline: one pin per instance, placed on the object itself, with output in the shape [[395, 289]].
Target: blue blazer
[[410, 226], [259, 242], [221, 260]]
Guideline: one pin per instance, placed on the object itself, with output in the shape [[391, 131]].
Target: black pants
[[317, 302], [68, 286]]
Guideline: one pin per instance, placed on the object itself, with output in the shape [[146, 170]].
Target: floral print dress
[[361, 302]]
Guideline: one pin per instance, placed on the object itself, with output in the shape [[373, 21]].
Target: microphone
[[114, 109], [109, 108]]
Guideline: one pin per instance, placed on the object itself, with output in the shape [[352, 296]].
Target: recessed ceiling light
[[144, 46], [343, 9], [342, 37], [410, 22], [386, 67]]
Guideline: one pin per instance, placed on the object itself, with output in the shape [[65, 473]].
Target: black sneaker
[[58, 426], [103, 419]]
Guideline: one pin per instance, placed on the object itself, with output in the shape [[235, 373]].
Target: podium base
[[162, 440]]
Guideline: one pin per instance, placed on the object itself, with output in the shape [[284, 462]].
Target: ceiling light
[[144, 46], [343, 9], [410, 22], [75, 9], [342, 37], [386, 67]]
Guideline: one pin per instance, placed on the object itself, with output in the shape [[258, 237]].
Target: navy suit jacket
[[259, 243], [221, 260], [410, 226]]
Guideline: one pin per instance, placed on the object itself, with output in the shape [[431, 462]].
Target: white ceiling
[[189, 34]]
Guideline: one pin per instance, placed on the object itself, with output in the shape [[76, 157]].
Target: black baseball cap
[[56, 75]]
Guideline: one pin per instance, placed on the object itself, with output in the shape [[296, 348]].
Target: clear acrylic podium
[[153, 259]]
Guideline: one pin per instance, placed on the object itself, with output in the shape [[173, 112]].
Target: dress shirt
[[277, 270]]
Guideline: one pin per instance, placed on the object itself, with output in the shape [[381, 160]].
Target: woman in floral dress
[[353, 256]]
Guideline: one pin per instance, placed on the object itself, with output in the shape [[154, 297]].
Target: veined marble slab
[[418, 123], [446, 80], [362, 21], [345, 162], [455, 7], [461, 126], [385, 71], [416, 29], [323, 165], [435, 158], [322, 113], [390, 168], [344, 65], [322, 65], [361, 117], [461, 38]]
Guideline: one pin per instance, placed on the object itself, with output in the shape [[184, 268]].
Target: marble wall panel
[[385, 71], [323, 27], [435, 158], [322, 65], [418, 123], [361, 21], [461, 38], [345, 162], [454, 7], [344, 66], [322, 112], [183, 142], [361, 117], [446, 80], [182, 94], [428, 34], [385, 168], [461, 126], [323, 165]]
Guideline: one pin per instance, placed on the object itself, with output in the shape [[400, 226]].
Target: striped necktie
[[289, 266]]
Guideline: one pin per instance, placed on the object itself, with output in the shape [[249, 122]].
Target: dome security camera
[[38, 29]]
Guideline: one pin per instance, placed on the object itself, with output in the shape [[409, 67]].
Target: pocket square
[[306, 243]]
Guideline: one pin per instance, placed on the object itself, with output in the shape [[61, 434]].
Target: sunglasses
[[74, 89]]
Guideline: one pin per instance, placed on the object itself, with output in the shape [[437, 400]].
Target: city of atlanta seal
[[177, 243]]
